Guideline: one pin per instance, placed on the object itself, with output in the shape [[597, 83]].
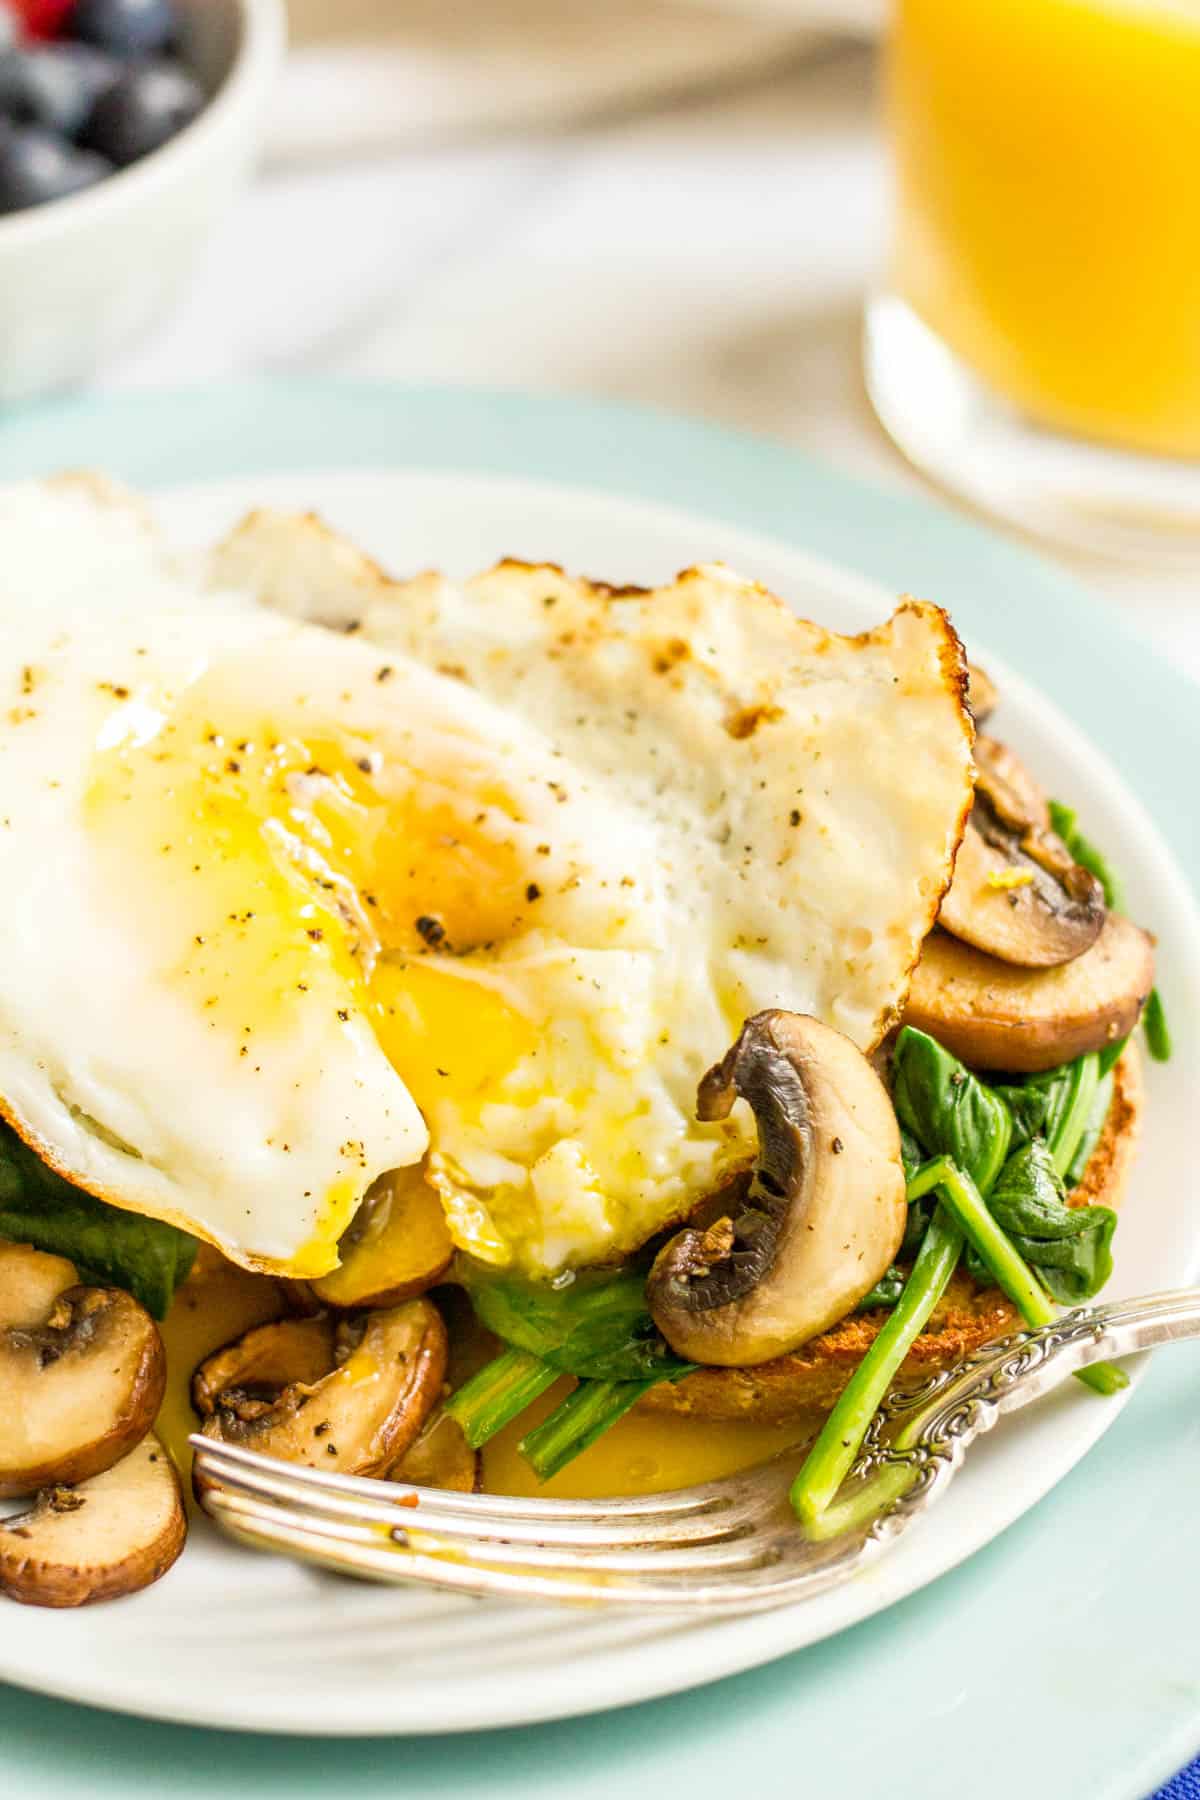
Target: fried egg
[[484, 883]]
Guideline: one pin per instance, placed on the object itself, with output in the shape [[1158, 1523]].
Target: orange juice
[[1048, 205]]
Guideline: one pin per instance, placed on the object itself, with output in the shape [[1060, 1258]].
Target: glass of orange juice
[[1038, 344]]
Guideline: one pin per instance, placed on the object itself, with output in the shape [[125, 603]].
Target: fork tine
[[213, 1457], [744, 1552], [418, 1509], [755, 1588]]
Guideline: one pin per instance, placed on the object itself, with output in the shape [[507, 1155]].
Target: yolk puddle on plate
[[645, 1453]]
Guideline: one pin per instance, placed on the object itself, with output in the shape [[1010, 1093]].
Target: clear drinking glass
[[1037, 347]]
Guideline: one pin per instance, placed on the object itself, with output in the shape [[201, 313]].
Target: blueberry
[[36, 166], [124, 27], [147, 105], [55, 85]]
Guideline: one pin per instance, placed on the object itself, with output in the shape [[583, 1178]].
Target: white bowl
[[81, 276]]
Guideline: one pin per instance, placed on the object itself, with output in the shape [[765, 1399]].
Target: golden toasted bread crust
[[1103, 1182], [814, 1375], [968, 1316]]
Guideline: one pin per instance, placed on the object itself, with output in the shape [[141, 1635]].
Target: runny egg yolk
[[278, 872], [444, 1034]]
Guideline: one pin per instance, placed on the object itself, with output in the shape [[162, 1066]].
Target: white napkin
[[366, 74]]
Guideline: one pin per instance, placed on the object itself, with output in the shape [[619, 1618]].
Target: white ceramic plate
[[239, 1639]]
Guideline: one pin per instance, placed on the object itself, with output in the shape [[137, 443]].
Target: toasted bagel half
[[969, 1315]]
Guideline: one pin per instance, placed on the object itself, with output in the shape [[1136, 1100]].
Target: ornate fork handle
[[941, 1419]]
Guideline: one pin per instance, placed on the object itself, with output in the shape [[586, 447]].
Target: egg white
[[489, 881], [806, 790]]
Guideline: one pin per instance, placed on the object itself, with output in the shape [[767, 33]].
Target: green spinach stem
[[1081, 1095], [585, 1415], [962, 1198], [1154, 1024], [841, 1436], [962, 1213], [498, 1392]]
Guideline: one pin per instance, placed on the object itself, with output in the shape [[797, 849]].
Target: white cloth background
[[705, 248], [368, 73]]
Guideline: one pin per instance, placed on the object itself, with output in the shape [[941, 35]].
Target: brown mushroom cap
[[1019, 793], [822, 1218], [266, 1359], [1017, 891], [349, 1397], [397, 1245], [82, 1373], [996, 1016], [107, 1536]]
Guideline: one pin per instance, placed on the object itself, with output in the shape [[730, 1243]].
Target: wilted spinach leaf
[[1027, 1106], [948, 1110], [886, 1292], [1057, 1104], [1065, 821], [911, 1154], [595, 1326], [38, 1207], [1070, 1247]]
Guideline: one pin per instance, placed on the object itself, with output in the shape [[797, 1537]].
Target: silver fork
[[730, 1545]]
